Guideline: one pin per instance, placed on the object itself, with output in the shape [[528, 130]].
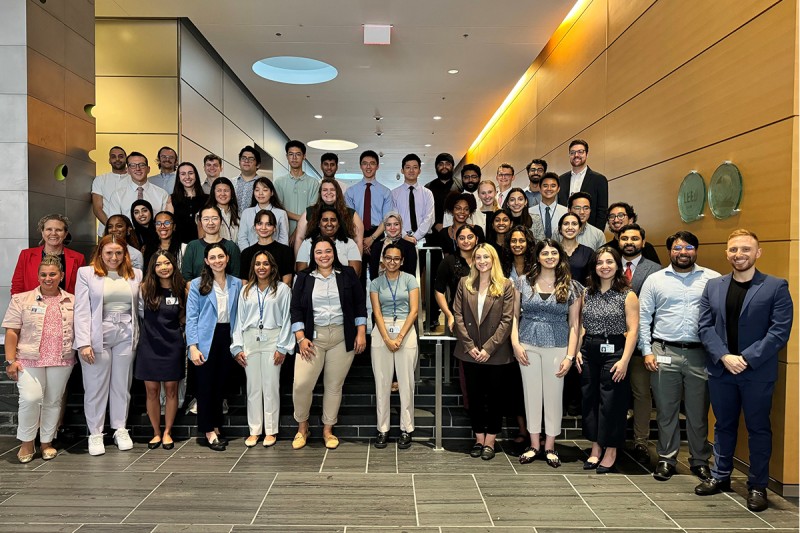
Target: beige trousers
[[386, 363], [542, 388]]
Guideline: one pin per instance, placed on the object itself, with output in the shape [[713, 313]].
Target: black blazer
[[351, 296], [597, 186]]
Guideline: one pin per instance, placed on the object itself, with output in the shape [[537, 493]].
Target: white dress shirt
[[423, 207], [576, 180]]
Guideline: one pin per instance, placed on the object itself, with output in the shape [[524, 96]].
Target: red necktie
[[628, 271], [368, 207]]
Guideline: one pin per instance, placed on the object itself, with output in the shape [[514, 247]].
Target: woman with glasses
[[165, 229], [188, 198], [264, 198], [265, 225], [395, 305], [193, 263]]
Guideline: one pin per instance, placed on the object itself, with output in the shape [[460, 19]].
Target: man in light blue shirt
[[373, 212], [669, 310], [167, 160], [417, 218]]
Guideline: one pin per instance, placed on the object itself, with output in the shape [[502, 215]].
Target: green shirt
[[394, 295], [296, 194], [193, 262]]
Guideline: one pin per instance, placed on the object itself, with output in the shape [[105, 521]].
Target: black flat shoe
[[382, 440], [167, 445], [590, 465], [153, 445], [404, 442], [476, 450], [606, 469], [528, 456], [551, 456], [223, 439], [488, 453]]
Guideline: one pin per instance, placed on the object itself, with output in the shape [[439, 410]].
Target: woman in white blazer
[[106, 331]]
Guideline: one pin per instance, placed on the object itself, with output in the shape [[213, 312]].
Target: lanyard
[[552, 212], [261, 305], [394, 294]]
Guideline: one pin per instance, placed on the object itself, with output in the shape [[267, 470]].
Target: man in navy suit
[[745, 320], [584, 179]]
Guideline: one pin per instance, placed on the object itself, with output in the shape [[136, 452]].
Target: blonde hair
[[497, 279], [741, 232], [495, 206]]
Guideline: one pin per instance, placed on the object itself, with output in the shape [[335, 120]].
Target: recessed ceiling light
[[332, 144], [294, 70], [453, 71], [317, 116], [427, 146], [423, 162], [437, 117]]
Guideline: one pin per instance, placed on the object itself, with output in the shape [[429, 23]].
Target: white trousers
[[384, 365], [41, 391], [107, 382], [263, 381], [542, 388]]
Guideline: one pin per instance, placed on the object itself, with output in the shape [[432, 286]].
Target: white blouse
[[270, 309]]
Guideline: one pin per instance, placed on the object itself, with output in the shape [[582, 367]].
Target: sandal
[[528, 456], [551, 456]]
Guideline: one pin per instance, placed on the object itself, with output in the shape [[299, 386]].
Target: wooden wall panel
[[785, 463], [650, 50], [581, 45], [707, 100], [623, 13]]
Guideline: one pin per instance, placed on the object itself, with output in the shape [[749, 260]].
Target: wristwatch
[[8, 363]]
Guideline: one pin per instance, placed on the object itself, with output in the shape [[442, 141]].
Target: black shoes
[[476, 450], [640, 453], [606, 469], [713, 486], [382, 440], [664, 471], [529, 456], [405, 440], [215, 444], [487, 454], [551, 456], [701, 471], [757, 500], [590, 465]]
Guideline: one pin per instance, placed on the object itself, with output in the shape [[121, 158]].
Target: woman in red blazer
[[54, 230]]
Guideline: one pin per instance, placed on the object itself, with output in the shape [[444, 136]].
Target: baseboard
[[784, 489]]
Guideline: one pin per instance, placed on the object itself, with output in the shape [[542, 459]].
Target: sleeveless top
[[604, 313]]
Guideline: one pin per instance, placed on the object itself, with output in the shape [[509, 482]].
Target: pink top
[[52, 338]]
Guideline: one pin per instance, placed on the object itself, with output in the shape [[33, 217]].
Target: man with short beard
[[329, 164], [470, 179], [441, 187], [583, 179], [745, 320], [636, 269], [535, 170], [167, 160], [669, 310], [104, 185], [620, 214]]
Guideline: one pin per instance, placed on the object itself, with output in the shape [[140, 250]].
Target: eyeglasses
[[470, 177], [164, 223], [577, 152], [136, 166], [388, 259], [618, 216], [505, 175], [681, 248], [248, 159], [536, 170], [210, 219]]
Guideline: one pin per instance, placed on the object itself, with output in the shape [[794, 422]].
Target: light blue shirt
[[165, 181], [381, 202], [669, 302], [423, 207]]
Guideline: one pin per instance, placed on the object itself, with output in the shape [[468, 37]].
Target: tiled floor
[[355, 488]]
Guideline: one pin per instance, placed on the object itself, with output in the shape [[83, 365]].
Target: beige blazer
[[491, 332]]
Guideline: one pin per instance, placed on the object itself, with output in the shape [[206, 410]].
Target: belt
[[115, 317], [681, 345]]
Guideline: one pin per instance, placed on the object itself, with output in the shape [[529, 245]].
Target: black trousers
[[605, 402], [211, 379], [486, 388]]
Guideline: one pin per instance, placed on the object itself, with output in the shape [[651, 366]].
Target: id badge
[[171, 300], [664, 359], [607, 348], [314, 336], [261, 338], [393, 329], [36, 310]]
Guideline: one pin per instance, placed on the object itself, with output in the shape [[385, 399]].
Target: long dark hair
[[174, 242], [274, 201], [272, 279], [563, 282], [341, 233], [525, 218], [207, 275], [179, 194], [151, 287], [146, 235], [233, 205], [619, 283], [312, 263], [507, 258], [130, 234], [345, 215]]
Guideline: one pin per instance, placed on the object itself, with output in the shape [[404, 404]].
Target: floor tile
[[282, 458], [116, 528], [79, 496], [348, 457], [385, 461], [617, 502], [193, 457], [290, 529], [215, 499], [77, 457], [339, 499], [38, 528], [193, 528], [422, 458], [450, 500]]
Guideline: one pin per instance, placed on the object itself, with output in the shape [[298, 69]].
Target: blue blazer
[[201, 313], [764, 325]]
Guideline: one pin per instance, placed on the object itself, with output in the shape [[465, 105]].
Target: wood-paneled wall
[[660, 88]]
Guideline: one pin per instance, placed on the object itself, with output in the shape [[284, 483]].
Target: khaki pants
[[543, 389], [642, 399], [384, 364], [331, 356]]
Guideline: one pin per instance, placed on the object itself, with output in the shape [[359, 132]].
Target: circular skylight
[[332, 144], [294, 70]]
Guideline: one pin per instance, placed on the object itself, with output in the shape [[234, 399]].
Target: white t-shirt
[[345, 251], [105, 185]]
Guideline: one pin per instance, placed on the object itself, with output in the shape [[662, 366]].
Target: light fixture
[[427, 146], [453, 71], [294, 70], [317, 116], [437, 117], [377, 34], [332, 144]]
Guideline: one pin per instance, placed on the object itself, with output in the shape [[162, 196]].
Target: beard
[[444, 175], [470, 187]]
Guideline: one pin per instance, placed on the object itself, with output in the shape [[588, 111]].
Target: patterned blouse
[[544, 322], [604, 313], [50, 346]]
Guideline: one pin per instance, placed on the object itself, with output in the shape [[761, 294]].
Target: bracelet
[[569, 358], [301, 340]]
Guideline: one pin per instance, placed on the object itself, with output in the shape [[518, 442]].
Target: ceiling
[[490, 42]]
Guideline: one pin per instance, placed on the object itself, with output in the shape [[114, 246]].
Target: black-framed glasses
[[681, 248], [618, 216]]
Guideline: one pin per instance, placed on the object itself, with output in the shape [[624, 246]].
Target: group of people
[[210, 275]]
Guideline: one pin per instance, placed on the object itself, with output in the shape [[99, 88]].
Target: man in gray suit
[[631, 243]]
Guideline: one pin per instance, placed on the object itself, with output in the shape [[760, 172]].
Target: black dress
[[161, 352], [579, 263]]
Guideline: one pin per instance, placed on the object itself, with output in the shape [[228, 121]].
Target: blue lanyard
[[261, 304], [393, 293]]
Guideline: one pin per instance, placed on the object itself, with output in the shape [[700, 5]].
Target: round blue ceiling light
[[294, 70]]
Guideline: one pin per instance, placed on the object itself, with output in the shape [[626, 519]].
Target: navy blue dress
[[161, 352]]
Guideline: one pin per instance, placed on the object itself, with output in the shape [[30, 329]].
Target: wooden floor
[[355, 488]]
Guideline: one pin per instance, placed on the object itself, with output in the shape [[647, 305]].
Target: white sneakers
[[96, 446], [122, 439]]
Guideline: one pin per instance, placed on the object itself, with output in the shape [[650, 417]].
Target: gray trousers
[[684, 376]]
